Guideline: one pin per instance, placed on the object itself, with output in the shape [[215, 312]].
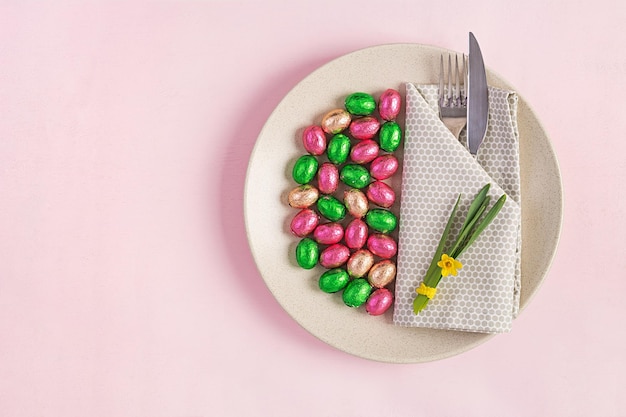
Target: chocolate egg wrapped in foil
[[365, 151], [356, 202], [356, 292], [336, 121], [314, 140], [379, 301], [364, 127], [338, 148], [304, 169], [334, 256], [382, 273], [307, 253], [381, 194], [355, 175], [327, 178], [389, 104], [390, 136], [333, 280], [303, 196], [360, 263], [360, 104], [304, 222], [382, 245], [381, 220], [331, 208], [384, 167], [328, 234], [355, 234]]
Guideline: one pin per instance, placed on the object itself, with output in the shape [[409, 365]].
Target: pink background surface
[[126, 284]]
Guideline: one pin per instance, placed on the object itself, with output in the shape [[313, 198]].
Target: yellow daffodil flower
[[448, 265]]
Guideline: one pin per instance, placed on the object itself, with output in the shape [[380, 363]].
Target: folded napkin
[[484, 296]]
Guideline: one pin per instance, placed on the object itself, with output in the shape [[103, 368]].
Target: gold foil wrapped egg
[[382, 273], [336, 121], [303, 196], [356, 202], [360, 262]]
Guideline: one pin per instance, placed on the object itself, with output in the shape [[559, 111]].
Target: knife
[[477, 100]]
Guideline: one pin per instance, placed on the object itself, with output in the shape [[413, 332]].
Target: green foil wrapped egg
[[304, 169], [307, 253], [356, 292], [356, 176], [381, 220], [334, 280], [338, 149], [331, 208], [390, 136], [360, 104]]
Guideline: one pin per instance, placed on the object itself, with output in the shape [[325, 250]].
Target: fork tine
[[457, 77], [465, 79], [441, 93], [452, 100], [449, 79]]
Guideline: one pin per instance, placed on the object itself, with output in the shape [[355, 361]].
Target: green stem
[[465, 232], [476, 204], [484, 223], [419, 303], [433, 269]]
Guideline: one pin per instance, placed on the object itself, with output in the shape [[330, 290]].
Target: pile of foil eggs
[[345, 221]]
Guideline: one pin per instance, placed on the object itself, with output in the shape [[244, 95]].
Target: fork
[[453, 99]]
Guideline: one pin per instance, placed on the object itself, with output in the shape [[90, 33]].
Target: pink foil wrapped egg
[[328, 234], [382, 245], [389, 104], [314, 140], [364, 127], [384, 167], [379, 301], [355, 234], [334, 256], [327, 178], [364, 151], [381, 194], [304, 222]]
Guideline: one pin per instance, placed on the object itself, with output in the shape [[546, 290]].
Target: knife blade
[[477, 101]]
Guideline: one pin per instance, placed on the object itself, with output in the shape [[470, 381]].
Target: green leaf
[[432, 270], [485, 222], [465, 232], [419, 303], [476, 204]]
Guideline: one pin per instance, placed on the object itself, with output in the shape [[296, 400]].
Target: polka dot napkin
[[484, 296]]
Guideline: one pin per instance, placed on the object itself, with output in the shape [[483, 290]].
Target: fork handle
[[454, 125]]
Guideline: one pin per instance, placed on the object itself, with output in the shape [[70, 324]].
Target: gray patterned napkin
[[484, 296]]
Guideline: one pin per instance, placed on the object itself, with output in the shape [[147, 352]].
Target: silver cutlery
[[463, 96], [452, 98], [477, 100]]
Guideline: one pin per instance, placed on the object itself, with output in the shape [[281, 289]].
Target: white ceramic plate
[[267, 213]]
